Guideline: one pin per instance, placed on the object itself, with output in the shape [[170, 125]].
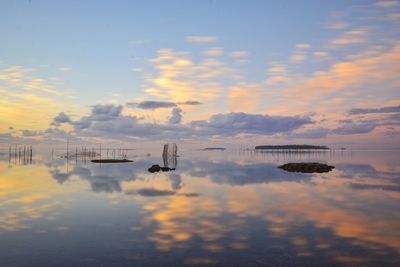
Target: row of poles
[[90, 153], [24, 153]]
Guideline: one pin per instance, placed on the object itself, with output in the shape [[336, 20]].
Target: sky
[[201, 72]]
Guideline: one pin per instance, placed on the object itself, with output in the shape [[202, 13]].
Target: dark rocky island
[[157, 168], [111, 160], [214, 148], [292, 147], [307, 167]]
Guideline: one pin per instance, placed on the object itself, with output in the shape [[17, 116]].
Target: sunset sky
[[248, 72]]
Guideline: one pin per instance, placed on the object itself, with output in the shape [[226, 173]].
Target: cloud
[[190, 102], [105, 112], [236, 174], [98, 113], [31, 133], [236, 123], [152, 192], [297, 58], [83, 123], [108, 121], [387, 4], [353, 76], [320, 54], [338, 26], [180, 76], [161, 104], [303, 46], [355, 128], [239, 54], [214, 51], [6, 137], [155, 104], [313, 133], [201, 39], [176, 116], [60, 119], [351, 37], [390, 109]]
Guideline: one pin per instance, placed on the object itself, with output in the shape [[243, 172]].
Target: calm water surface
[[219, 208]]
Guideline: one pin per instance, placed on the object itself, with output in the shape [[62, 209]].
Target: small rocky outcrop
[[307, 167], [154, 168], [157, 168]]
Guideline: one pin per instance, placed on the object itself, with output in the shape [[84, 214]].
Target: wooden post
[[67, 146]]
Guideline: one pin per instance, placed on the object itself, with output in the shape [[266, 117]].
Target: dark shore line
[[111, 160], [292, 147]]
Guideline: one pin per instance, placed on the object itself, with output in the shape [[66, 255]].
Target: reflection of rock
[[153, 192], [306, 167], [157, 168], [111, 160]]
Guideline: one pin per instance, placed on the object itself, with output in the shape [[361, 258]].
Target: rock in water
[[154, 168], [307, 167]]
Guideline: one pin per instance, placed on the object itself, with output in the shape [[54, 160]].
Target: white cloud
[[239, 54], [387, 4], [351, 37], [303, 46], [201, 39], [214, 51], [338, 26], [320, 54], [297, 58]]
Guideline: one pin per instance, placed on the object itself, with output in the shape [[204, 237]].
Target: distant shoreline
[[292, 147]]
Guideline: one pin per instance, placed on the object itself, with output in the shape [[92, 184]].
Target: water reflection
[[219, 209]]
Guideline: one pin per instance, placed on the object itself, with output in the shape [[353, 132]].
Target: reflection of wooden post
[[169, 155]]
